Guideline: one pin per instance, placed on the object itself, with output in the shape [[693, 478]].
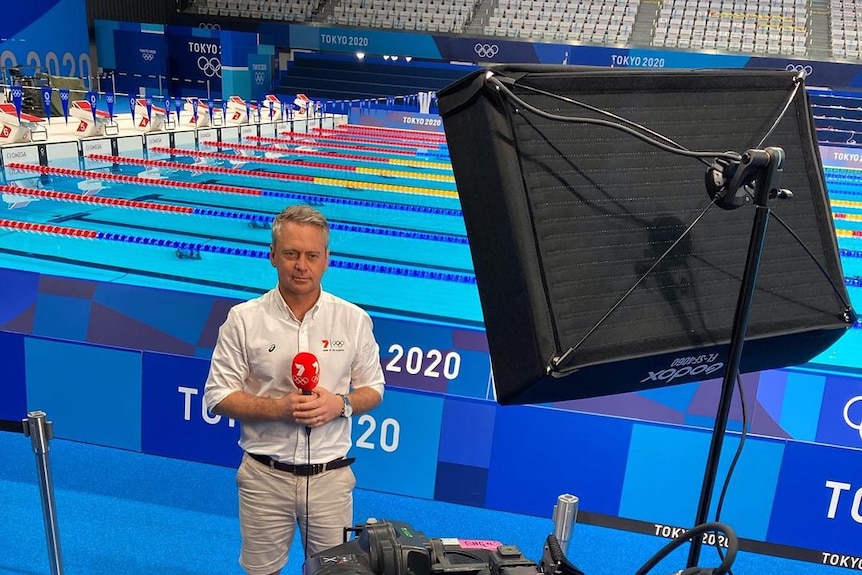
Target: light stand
[[764, 168]]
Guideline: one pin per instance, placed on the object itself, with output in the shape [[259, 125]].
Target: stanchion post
[[565, 515], [40, 432]]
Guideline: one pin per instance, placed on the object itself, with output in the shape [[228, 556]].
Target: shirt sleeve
[[229, 365], [366, 370]]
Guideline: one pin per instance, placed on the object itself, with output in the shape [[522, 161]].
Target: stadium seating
[[287, 10], [747, 26], [587, 21], [423, 15], [846, 32], [781, 28]]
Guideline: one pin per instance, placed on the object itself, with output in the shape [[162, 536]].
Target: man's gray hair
[[301, 214]]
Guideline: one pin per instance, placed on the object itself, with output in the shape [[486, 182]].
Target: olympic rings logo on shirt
[[486, 50]]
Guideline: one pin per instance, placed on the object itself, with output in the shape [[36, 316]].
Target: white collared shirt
[[253, 353]]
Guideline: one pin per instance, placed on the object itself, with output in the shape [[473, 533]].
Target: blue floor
[[126, 513]]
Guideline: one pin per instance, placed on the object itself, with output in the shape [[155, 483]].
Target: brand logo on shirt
[[332, 344]]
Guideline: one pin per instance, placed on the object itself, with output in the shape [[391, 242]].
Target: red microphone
[[305, 370]]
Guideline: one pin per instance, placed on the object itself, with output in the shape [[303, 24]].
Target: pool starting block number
[[17, 128]]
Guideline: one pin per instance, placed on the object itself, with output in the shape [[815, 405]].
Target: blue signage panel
[[93, 394], [175, 421], [818, 501], [21, 289], [486, 51], [817, 73], [653, 495], [352, 40], [396, 119], [395, 445], [840, 421], [194, 63], [554, 452], [13, 385], [434, 358], [260, 74], [49, 35], [140, 59]]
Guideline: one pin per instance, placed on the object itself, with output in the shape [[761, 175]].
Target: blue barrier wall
[[48, 36]]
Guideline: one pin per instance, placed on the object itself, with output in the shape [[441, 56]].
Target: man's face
[[300, 257]]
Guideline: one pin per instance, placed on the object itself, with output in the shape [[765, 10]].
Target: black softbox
[[564, 219]]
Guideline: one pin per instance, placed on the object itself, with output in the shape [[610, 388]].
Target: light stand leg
[[39, 431], [770, 164]]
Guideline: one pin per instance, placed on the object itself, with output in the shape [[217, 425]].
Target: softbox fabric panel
[[564, 219]]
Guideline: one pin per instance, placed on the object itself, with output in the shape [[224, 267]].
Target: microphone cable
[[561, 565], [307, 491], [732, 467], [713, 527]]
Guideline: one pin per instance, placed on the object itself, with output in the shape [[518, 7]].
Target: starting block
[[303, 106], [87, 126], [154, 121], [29, 128], [203, 115], [276, 109], [238, 111]]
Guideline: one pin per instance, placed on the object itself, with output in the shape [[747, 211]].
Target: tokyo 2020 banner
[[46, 36]]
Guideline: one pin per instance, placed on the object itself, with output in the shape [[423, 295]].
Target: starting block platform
[[271, 99], [239, 111], [90, 124], [193, 120], [15, 129], [150, 118]]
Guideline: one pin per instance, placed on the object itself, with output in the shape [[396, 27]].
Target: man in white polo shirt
[[295, 470]]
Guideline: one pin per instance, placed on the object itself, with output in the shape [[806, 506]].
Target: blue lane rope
[[388, 232], [189, 250], [361, 203]]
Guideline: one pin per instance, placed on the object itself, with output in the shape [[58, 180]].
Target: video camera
[[384, 547]]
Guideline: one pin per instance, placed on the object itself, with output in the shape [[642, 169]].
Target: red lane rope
[[296, 151], [371, 142], [100, 200], [261, 159], [405, 136], [437, 136], [89, 174], [198, 168], [314, 141], [48, 229]]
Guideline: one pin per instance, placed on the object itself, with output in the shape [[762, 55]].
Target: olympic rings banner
[[142, 58], [46, 36], [195, 58]]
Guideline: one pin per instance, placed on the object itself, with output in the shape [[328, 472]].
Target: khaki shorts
[[272, 504]]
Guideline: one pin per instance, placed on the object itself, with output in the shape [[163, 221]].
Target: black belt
[[303, 470]]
